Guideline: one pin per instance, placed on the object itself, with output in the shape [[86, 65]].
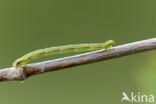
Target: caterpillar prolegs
[[61, 50]]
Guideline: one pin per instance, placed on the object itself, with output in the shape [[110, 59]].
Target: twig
[[62, 63]]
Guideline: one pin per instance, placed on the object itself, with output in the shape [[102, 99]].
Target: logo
[[137, 98]]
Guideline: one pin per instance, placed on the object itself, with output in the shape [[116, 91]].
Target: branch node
[[16, 74]]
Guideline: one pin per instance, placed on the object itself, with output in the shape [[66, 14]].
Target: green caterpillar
[[60, 50]]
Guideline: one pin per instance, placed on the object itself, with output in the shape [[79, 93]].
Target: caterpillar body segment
[[61, 50]]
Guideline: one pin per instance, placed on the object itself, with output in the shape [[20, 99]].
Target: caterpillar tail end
[[17, 63]]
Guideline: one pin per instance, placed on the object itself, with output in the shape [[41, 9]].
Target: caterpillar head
[[110, 43]]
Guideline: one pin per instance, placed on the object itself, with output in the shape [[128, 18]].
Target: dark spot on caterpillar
[[100, 47], [29, 58], [113, 44], [71, 48], [19, 62], [87, 47], [34, 55], [40, 53]]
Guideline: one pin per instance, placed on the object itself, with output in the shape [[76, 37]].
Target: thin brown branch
[[90, 57]]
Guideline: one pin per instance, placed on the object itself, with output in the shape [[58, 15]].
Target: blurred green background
[[27, 25]]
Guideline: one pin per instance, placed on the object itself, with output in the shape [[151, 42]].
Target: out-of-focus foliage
[[146, 73]]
